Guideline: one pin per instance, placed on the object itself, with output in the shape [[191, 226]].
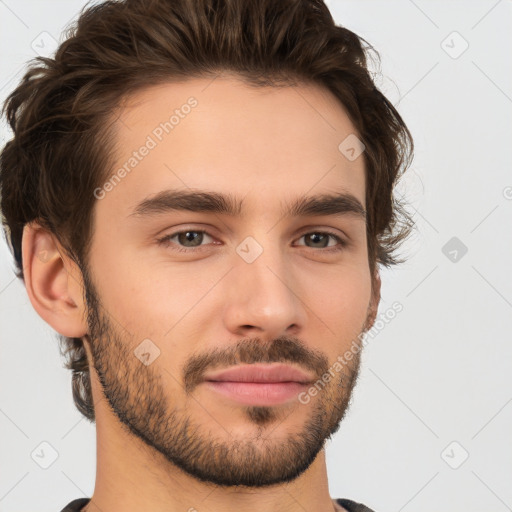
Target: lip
[[260, 373], [259, 384], [257, 393]]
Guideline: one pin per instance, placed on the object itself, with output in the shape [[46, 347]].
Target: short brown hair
[[60, 112]]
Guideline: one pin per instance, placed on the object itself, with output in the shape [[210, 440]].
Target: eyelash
[[166, 241]]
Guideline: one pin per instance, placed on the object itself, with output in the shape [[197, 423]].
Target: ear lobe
[[53, 282]]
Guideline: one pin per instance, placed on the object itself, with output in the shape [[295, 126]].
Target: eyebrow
[[332, 204]]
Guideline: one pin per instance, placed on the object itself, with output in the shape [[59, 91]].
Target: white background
[[438, 373]]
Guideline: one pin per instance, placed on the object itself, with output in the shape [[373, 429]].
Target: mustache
[[254, 350]]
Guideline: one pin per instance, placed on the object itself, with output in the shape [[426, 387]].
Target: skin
[[165, 441]]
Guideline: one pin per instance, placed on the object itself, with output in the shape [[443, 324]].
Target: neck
[[131, 476]]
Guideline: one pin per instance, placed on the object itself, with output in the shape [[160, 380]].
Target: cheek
[[125, 292], [342, 299], [158, 299], [150, 299]]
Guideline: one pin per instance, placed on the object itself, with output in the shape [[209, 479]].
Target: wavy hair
[[61, 110]]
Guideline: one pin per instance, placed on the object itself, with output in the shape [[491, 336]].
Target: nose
[[262, 298]]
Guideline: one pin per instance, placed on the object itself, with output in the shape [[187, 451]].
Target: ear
[[374, 301], [53, 282]]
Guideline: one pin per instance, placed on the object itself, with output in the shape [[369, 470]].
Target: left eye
[[190, 239], [322, 238]]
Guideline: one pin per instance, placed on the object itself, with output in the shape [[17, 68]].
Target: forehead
[[222, 134]]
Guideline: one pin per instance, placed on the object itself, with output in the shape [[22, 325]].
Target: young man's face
[[259, 286]]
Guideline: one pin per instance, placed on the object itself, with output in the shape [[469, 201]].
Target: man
[[198, 195]]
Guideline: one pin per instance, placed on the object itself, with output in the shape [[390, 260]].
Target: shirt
[[351, 506]]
